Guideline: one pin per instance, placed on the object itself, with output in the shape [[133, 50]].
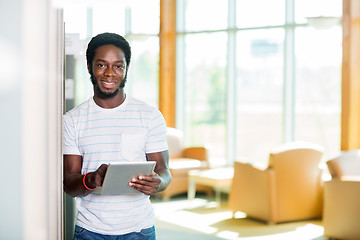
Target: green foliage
[[208, 99]]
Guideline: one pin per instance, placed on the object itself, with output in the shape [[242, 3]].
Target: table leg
[[218, 197], [191, 190]]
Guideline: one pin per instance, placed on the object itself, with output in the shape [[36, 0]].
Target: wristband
[[85, 183]]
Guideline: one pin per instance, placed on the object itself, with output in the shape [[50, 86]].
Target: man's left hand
[[146, 184]]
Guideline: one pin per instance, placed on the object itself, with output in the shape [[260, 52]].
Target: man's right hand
[[96, 179], [74, 180]]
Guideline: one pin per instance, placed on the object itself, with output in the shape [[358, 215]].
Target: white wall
[[30, 123], [10, 121]]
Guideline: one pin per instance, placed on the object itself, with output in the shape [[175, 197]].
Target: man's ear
[[89, 68]]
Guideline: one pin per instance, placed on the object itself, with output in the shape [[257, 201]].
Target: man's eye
[[120, 67], [100, 65]]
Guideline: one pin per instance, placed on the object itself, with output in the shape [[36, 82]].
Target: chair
[[345, 164], [181, 161], [288, 189], [341, 218]]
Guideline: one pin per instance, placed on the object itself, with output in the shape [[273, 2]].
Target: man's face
[[109, 70]]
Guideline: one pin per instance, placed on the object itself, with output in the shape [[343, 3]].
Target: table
[[218, 178]]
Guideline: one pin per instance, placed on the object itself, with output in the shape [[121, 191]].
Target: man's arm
[[160, 180], [73, 179]]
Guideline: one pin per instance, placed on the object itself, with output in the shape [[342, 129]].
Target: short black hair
[[108, 39]]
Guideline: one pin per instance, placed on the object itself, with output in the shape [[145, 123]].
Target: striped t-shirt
[[122, 134]]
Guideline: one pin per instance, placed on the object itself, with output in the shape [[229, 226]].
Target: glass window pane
[[259, 93], [142, 82], [260, 13], [203, 15], [108, 17], [205, 97], [75, 20], [318, 87], [145, 16], [310, 8]]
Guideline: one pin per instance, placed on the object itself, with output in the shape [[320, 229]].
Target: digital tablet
[[118, 176]]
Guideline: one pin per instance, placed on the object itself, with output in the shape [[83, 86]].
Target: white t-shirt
[[122, 134]]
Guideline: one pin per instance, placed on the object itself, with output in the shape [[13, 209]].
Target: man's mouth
[[107, 84]]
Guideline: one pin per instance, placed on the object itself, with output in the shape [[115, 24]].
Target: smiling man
[[108, 71], [112, 127]]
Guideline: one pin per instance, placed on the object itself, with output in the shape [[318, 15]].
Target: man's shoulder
[[76, 110], [136, 103]]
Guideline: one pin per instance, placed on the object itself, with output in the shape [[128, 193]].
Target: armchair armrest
[[200, 153], [249, 179]]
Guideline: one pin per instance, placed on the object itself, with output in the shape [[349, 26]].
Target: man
[[112, 127]]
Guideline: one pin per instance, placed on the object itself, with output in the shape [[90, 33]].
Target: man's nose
[[109, 72]]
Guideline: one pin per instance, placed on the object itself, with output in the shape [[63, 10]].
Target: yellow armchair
[[288, 189], [181, 161], [342, 197]]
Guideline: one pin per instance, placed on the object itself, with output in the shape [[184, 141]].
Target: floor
[[202, 218]]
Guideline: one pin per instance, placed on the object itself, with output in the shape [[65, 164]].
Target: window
[[205, 92], [260, 13], [252, 79], [259, 92], [318, 87]]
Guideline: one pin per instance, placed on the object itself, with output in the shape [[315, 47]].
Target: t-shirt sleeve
[[157, 141], [69, 133]]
